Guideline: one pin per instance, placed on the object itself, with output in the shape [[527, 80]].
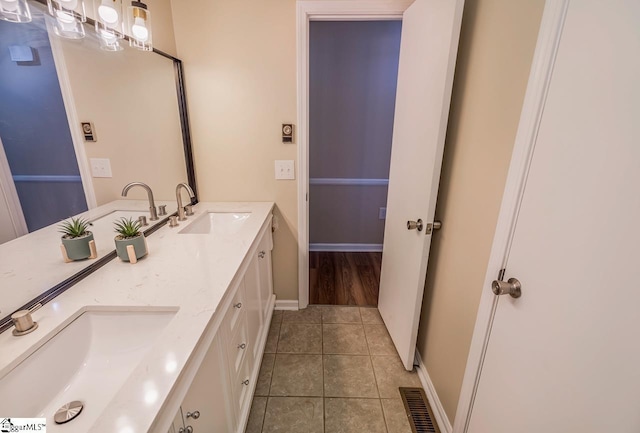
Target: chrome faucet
[[152, 203], [181, 215]]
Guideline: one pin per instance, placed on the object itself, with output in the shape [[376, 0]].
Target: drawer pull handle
[[242, 346], [195, 414], [245, 382], [261, 254], [238, 305]]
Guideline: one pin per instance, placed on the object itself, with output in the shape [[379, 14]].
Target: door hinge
[[306, 197]]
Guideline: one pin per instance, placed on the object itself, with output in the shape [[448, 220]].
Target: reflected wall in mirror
[[51, 85]]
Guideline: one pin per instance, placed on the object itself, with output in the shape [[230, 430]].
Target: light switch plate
[[285, 169], [100, 167]]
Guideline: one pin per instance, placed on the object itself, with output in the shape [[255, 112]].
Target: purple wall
[[353, 70]]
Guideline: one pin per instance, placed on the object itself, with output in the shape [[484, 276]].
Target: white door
[[430, 31], [565, 357]]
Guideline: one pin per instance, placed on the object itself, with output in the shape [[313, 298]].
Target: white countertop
[[189, 271], [41, 249]]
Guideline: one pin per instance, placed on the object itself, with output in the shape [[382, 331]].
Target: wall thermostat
[[88, 131], [287, 133]]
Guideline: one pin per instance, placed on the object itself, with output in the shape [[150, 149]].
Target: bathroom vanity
[[171, 342]]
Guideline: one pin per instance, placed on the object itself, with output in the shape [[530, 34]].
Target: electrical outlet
[[100, 167], [382, 213], [285, 170]]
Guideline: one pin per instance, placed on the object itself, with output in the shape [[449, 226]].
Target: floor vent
[[418, 410]]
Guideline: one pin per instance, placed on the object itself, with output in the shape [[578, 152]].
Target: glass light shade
[[69, 16], [108, 15], [16, 11], [73, 7], [109, 41], [139, 26]]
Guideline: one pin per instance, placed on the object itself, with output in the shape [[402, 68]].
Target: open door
[[430, 33]]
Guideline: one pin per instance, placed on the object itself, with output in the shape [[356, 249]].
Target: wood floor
[[338, 278]]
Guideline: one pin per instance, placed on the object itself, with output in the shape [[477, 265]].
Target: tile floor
[[330, 370]]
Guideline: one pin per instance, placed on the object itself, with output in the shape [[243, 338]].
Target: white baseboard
[[438, 411], [285, 304], [347, 248]]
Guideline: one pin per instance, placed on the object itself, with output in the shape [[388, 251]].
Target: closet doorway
[[353, 72]]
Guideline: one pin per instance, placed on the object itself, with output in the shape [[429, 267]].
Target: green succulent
[[127, 228], [75, 228]]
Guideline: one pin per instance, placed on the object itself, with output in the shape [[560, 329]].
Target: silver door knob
[[511, 287], [195, 414], [415, 225]]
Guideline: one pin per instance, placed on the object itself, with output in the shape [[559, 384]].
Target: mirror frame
[[63, 286]]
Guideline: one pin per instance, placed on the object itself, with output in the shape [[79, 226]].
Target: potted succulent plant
[[129, 234], [76, 239]]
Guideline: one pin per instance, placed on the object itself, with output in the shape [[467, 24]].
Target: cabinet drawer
[[242, 386], [236, 311], [238, 347]]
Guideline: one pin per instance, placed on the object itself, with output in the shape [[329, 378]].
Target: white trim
[[10, 196], [535, 97], [347, 248], [322, 10], [73, 119], [347, 181], [439, 414], [285, 304]]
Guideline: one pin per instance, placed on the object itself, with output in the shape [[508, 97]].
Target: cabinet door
[[177, 423], [254, 306], [209, 393], [265, 276]]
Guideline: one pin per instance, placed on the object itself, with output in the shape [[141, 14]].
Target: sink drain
[[68, 412]]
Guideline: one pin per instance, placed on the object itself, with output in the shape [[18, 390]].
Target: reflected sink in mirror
[[89, 360], [217, 223]]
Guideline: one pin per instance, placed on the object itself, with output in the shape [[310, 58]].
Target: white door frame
[[323, 10], [72, 118], [535, 98], [9, 196]]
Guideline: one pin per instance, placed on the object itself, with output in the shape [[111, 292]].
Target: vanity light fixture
[[69, 15], [139, 26], [16, 11], [109, 24]]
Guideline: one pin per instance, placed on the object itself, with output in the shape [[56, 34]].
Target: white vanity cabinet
[[223, 386]]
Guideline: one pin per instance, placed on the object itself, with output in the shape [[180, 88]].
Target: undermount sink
[[220, 223], [89, 360]]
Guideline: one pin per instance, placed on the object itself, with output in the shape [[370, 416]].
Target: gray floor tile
[[310, 314], [256, 416], [264, 377], [300, 338], [344, 339], [272, 338], [349, 376], [370, 315], [353, 415], [335, 314], [379, 340], [390, 375], [293, 415], [396, 416], [297, 375]]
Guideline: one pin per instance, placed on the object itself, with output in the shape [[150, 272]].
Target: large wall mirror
[[51, 168]]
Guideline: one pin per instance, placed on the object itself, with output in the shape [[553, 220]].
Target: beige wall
[[130, 97], [240, 72], [496, 48]]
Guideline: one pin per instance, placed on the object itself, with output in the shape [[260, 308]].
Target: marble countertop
[[190, 272], [18, 281]]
